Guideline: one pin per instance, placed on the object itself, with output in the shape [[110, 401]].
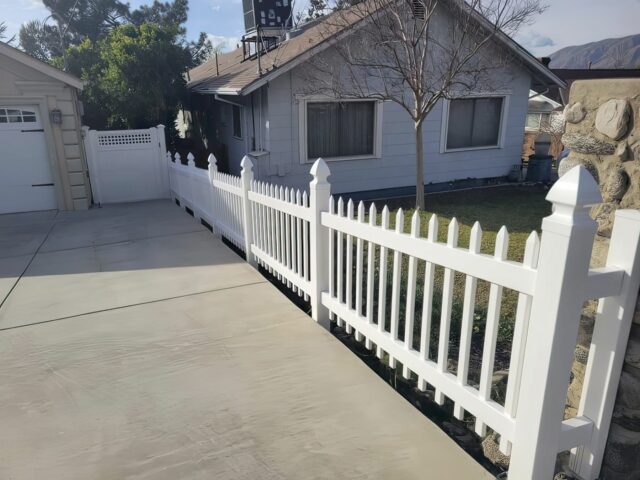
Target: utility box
[[267, 14]]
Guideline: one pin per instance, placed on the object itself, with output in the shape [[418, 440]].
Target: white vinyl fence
[[127, 165], [337, 257]]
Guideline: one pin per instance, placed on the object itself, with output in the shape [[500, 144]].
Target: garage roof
[[45, 68]]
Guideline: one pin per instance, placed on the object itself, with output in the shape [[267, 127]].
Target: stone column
[[603, 134]]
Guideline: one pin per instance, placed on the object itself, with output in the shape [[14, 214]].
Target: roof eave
[[40, 66]]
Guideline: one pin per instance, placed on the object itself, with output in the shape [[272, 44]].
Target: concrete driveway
[[133, 344]]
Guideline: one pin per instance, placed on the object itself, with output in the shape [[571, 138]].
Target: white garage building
[[42, 159]]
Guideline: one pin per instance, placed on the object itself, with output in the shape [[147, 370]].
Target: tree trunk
[[419, 167]]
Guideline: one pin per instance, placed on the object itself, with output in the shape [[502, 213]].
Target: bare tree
[[417, 53]]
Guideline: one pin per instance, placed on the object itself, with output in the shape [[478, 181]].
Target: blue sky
[[565, 23]]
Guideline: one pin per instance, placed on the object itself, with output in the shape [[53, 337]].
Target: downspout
[[253, 125]]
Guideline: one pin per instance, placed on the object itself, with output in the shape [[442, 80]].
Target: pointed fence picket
[[327, 251]]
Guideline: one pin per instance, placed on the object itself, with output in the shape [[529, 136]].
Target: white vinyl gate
[[127, 165]]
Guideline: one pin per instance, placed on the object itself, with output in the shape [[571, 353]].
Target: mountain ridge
[[621, 52]]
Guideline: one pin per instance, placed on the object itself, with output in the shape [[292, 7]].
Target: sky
[[565, 23]]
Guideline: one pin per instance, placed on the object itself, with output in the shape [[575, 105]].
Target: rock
[[613, 117], [635, 151], [575, 389], [581, 354], [604, 216], [582, 143], [615, 185], [567, 164], [633, 350], [629, 388], [499, 386], [565, 476], [623, 452], [491, 450], [574, 113], [623, 152], [631, 199], [574, 159]]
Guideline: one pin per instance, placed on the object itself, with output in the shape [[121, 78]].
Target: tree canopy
[[132, 61]]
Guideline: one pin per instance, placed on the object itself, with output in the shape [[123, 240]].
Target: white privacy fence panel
[[127, 165], [361, 269]]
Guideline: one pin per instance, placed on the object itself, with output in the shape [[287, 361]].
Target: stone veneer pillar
[[603, 133]]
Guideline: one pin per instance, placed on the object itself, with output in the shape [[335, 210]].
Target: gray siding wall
[[396, 166]]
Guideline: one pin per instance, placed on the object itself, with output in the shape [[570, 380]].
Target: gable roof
[[230, 74], [42, 67]]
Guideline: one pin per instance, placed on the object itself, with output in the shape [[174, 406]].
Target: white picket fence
[[338, 260]]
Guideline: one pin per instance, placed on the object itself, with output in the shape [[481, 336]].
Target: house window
[[536, 121], [474, 122], [345, 129], [236, 113], [10, 115]]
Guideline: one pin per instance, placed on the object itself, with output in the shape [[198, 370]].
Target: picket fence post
[[565, 251], [246, 179], [170, 173], [609, 344], [212, 169], [177, 163], [319, 198]]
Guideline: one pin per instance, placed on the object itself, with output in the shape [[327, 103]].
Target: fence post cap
[[160, 126], [320, 171], [246, 164], [576, 188], [191, 159], [177, 158], [212, 160]]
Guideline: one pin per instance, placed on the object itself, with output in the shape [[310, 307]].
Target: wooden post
[[246, 178], [609, 344], [320, 194], [565, 251]]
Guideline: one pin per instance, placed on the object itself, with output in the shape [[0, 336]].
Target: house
[[544, 126], [253, 101], [42, 162]]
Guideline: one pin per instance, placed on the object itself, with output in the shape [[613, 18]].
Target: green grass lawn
[[521, 209]]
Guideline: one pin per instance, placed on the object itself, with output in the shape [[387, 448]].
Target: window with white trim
[[536, 121], [236, 114], [345, 129], [15, 115], [474, 122]]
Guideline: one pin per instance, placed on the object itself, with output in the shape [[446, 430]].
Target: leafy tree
[[134, 76], [132, 62], [41, 41]]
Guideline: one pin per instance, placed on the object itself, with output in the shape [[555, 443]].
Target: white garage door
[[26, 180]]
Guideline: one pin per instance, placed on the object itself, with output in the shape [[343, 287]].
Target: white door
[[26, 180]]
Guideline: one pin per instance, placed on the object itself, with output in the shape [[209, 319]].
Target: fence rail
[[378, 281]]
